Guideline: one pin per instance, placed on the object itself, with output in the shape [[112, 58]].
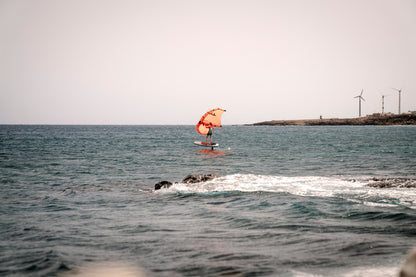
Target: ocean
[[289, 201]]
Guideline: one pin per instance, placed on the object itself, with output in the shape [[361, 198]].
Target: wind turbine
[[400, 92], [360, 97], [382, 103]]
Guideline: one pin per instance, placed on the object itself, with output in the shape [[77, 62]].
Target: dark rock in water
[[163, 184], [392, 183], [196, 178], [190, 179]]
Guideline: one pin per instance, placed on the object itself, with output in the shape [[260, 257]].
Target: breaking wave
[[362, 189]]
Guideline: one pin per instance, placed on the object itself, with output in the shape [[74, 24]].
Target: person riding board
[[210, 128]]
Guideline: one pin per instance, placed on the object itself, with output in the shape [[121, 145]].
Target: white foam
[[316, 186]]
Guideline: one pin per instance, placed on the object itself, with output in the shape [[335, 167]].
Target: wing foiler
[[213, 116]]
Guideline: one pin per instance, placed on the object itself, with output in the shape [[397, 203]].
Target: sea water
[[289, 201]]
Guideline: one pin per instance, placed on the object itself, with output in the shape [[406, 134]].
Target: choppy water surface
[[290, 201]]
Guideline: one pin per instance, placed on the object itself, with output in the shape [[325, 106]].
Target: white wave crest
[[315, 186]]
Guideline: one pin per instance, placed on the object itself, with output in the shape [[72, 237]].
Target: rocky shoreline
[[374, 119]]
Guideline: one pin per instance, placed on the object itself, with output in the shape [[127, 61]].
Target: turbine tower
[[360, 97], [400, 92], [382, 103]]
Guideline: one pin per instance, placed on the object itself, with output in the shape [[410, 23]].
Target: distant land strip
[[374, 119]]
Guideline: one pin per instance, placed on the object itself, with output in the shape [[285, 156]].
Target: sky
[[170, 61]]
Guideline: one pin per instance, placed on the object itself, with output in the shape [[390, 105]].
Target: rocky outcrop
[[163, 184], [392, 183], [196, 178], [374, 119], [190, 179]]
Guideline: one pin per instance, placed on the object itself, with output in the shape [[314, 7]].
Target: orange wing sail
[[213, 117]]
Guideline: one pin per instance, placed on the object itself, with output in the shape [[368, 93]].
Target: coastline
[[374, 119]]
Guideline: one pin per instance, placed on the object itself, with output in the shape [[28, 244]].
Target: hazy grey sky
[[169, 61]]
